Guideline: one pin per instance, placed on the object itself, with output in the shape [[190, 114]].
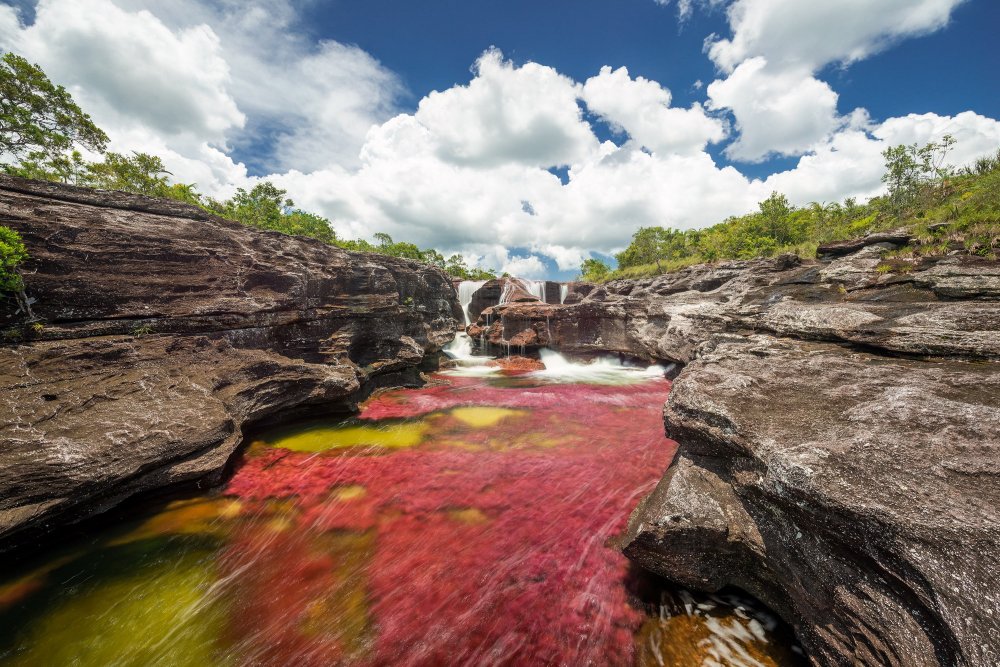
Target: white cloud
[[196, 80], [456, 172], [130, 67], [812, 34], [777, 46], [508, 114], [786, 111], [642, 108], [527, 266]]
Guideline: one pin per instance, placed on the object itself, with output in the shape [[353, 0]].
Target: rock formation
[[839, 433], [165, 332]]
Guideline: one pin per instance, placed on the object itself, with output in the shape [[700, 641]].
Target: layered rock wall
[[165, 331]]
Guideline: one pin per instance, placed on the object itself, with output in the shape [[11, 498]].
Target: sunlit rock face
[[165, 330], [856, 494], [948, 307]]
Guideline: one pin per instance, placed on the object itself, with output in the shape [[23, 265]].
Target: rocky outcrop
[[948, 306], [839, 441], [165, 332], [856, 494], [508, 290]]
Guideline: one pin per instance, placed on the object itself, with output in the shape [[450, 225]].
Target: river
[[469, 522]]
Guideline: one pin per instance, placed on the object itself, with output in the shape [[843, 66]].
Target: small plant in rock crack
[[142, 330]]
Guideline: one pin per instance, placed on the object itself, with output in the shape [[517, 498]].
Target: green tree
[[140, 173], [12, 254], [594, 270], [909, 168], [775, 212], [301, 223], [38, 117], [263, 206]]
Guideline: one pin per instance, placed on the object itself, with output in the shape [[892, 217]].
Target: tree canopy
[[37, 116]]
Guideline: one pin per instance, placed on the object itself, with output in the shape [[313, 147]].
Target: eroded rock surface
[[165, 332], [856, 494], [949, 307]]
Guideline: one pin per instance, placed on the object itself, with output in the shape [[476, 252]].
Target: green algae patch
[[325, 437], [146, 603]]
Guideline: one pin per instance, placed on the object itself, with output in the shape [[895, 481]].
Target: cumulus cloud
[[812, 34], [469, 169], [641, 108], [194, 81], [776, 48], [134, 68], [785, 111], [508, 114]]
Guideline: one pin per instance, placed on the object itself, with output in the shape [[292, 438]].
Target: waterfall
[[563, 292], [606, 370], [461, 347], [466, 289]]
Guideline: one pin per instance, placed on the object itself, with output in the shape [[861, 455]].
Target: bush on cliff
[[12, 255]]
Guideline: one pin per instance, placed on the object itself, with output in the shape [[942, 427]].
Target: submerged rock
[[164, 332], [517, 364]]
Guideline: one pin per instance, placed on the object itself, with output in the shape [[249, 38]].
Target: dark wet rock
[[165, 332], [577, 292], [856, 494], [895, 238], [551, 292]]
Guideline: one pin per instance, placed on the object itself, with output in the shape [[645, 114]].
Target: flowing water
[[470, 522]]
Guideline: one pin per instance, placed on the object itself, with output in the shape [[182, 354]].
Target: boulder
[[165, 333]]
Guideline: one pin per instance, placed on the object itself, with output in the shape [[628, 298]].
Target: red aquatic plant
[[476, 551]]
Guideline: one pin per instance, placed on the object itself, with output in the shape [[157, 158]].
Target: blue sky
[[333, 101]]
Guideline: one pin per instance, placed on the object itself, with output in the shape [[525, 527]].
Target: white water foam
[[605, 370]]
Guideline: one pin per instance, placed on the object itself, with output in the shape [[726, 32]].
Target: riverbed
[[471, 521]]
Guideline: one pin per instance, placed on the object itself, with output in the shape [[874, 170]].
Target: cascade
[[563, 292], [466, 289], [461, 346]]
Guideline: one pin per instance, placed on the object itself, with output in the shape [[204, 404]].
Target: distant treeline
[[921, 192]]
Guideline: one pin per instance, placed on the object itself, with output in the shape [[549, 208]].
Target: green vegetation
[[945, 209], [12, 254], [38, 118], [594, 270], [42, 130]]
